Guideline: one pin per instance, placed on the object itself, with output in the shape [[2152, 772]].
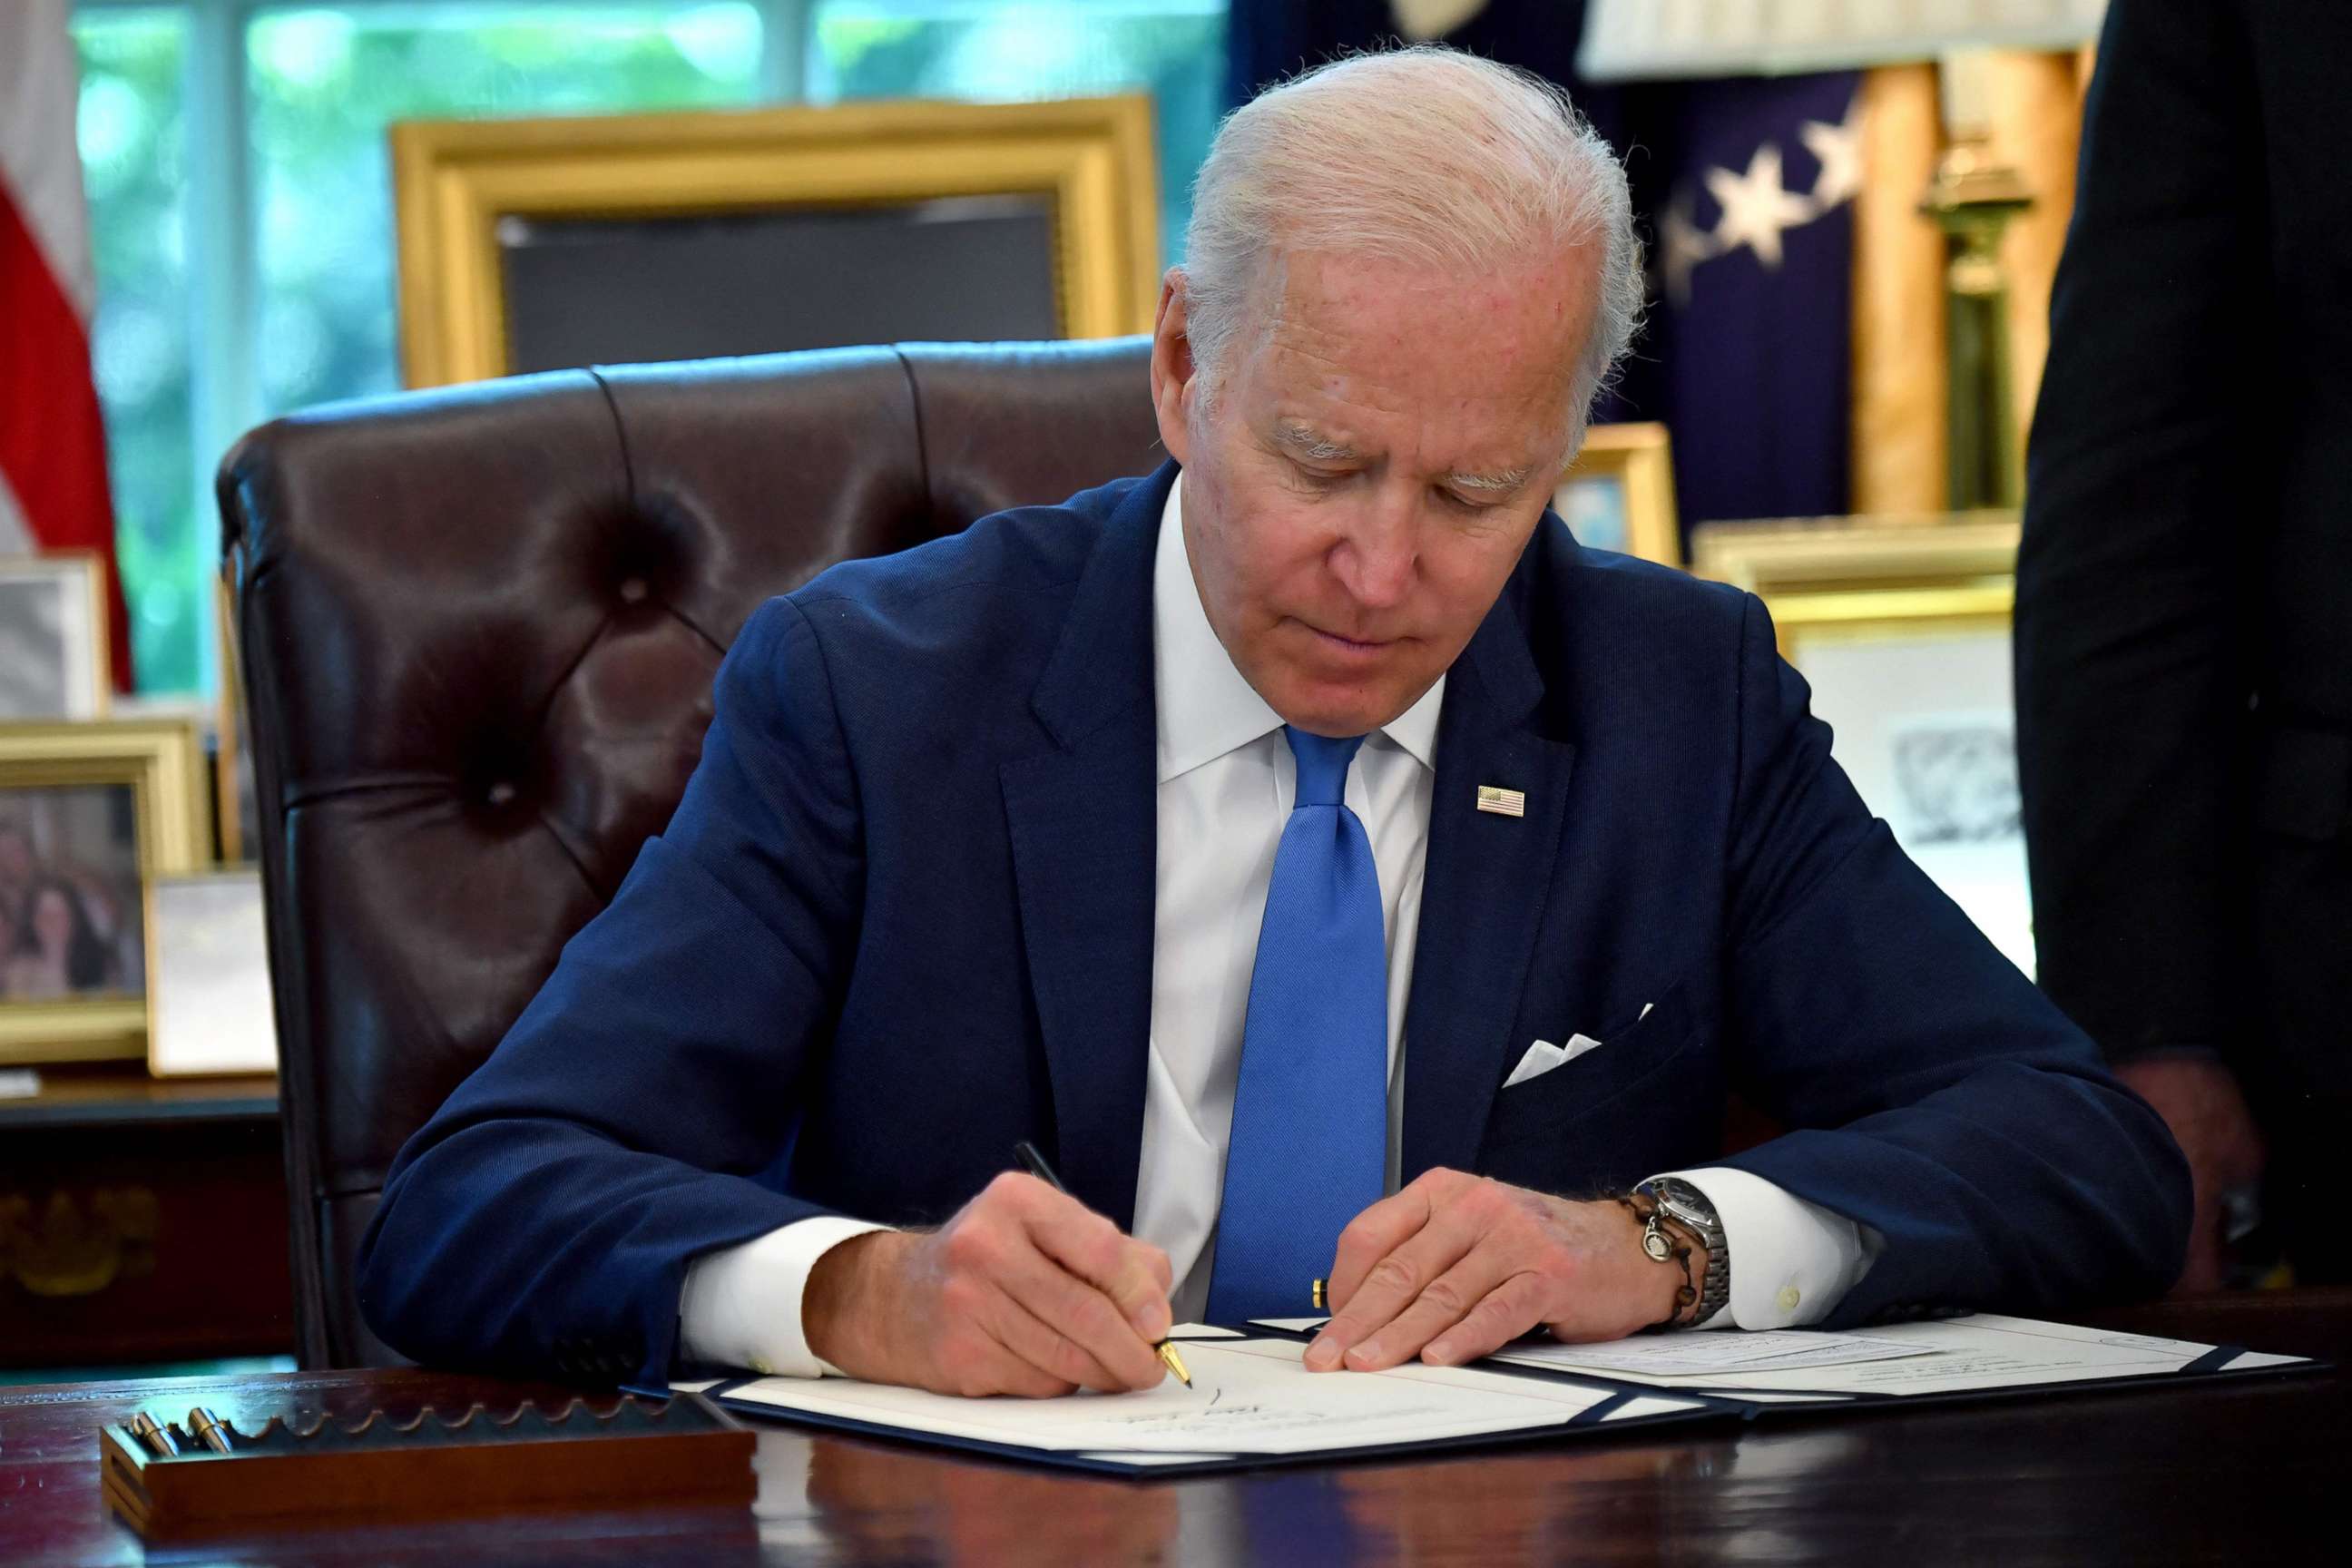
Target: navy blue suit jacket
[[903, 916]]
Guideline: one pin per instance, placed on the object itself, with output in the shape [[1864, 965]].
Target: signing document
[[1254, 1402], [1250, 1399]]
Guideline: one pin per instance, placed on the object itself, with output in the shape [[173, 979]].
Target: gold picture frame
[[454, 182], [1636, 462], [1869, 614], [1900, 628], [1857, 575], [160, 761], [1938, 758], [1781, 555]]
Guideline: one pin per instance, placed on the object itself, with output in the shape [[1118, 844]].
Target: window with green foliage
[[1040, 49], [326, 81], [134, 151], [240, 192]]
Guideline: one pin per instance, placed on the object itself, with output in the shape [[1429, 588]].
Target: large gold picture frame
[[1866, 573], [455, 181], [1901, 628], [160, 762]]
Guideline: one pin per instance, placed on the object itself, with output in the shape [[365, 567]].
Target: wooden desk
[[2221, 1474], [141, 1220]]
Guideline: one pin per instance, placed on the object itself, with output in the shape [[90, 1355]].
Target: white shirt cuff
[[741, 1305], [1791, 1261]]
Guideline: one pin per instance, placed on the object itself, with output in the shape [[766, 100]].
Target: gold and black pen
[[1034, 1163]]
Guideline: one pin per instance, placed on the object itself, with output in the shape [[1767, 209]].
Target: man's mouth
[[1351, 648]]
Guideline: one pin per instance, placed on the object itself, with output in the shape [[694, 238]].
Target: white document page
[[1779, 1349], [1692, 1355], [1249, 1396], [1961, 1354]]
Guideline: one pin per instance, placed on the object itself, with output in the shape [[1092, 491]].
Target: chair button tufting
[[633, 589], [501, 793]]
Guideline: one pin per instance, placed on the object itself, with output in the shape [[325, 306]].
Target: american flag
[[53, 483]]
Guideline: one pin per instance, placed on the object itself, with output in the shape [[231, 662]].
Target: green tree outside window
[[134, 156], [322, 84]]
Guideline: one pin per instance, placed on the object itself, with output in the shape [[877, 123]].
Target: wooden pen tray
[[683, 1452]]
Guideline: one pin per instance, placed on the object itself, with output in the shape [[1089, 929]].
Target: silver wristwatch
[[1681, 1201]]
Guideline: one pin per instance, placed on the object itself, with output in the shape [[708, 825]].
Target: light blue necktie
[[1309, 1142]]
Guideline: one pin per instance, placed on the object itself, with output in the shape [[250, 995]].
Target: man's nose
[[1375, 560]]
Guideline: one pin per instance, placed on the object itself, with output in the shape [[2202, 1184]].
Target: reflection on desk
[[2229, 1472]]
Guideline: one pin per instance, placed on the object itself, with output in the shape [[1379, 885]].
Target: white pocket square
[[1543, 1055]]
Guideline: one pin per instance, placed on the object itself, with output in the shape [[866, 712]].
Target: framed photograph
[[53, 637], [1902, 630], [208, 999], [90, 816], [530, 245], [1619, 494]]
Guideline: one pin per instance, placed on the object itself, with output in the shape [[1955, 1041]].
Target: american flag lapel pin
[[1502, 801]]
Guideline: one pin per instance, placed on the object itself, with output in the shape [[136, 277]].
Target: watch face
[[1687, 1202]]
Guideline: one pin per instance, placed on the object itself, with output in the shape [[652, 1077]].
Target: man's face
[[1380, 448]]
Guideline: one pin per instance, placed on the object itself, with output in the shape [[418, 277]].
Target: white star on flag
[[1422, 20], [1838, 150], [1682, 245], [1756, 207]]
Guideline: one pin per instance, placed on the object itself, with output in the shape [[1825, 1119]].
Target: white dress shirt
[[1225, 783]]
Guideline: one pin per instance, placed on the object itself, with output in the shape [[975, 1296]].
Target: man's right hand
[[1026, 1291]]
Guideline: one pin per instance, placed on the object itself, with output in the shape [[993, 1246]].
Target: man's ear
[[1171, 367]]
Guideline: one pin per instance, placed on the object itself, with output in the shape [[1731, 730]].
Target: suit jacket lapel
[[1084, 820], [1484, 888]]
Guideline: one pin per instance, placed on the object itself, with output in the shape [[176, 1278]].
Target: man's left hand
[[1456, 1266]]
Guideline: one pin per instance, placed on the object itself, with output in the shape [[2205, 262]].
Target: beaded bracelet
[[1663, 1240]]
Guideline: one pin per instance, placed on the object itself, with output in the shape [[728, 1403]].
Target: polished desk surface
[[2222, 1473]]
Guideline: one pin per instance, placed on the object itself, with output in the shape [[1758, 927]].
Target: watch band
[[1686, 1203]]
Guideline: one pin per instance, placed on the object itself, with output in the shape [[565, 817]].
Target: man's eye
[[1321, 478]]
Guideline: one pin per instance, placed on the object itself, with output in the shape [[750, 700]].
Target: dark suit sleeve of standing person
[[2148, 501], [1933, 1095], [543, 1220]]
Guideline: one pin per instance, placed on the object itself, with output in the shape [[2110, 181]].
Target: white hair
[[1424, 155]]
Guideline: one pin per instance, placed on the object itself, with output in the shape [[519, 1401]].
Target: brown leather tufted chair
[[478, 628]]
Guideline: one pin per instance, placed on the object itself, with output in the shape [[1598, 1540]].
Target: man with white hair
[[1344, 874]]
